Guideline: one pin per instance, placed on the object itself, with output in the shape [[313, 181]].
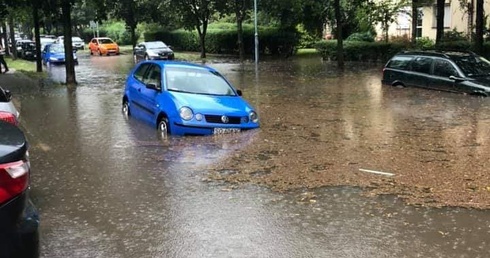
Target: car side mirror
[[239, 92], [153, 86]]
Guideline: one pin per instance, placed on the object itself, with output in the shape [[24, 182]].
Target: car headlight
[[253, 117], [186, 113], [53, 58]]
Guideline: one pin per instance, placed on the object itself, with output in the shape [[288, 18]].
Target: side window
[[153, 76], [444, 68], [422, 64], [400, 62], [140, 72]]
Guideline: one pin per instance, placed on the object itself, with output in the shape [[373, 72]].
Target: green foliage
[[361, 36], [115, 30], [359, 51], [462, 45], [222, 39], [424, 43], [454, 35]]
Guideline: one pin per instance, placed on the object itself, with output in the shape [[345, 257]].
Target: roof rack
[[439, 53]]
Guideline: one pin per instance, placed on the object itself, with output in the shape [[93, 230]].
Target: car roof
[[166, 63]]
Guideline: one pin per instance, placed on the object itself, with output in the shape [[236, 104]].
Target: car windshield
[[105, 41], [76, 39], [198, 81], [473, 65], [156, 44], [55, 48]]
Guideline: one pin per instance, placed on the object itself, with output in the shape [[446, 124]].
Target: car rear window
[[400, 62]]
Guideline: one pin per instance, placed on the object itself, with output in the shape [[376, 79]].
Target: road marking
[[377, 172]]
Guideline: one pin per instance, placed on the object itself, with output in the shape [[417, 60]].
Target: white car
[[76, 42], [8, 112]]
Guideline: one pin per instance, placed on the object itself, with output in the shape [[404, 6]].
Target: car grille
[[217, 119]]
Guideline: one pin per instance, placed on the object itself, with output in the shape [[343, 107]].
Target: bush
[[454, 35], [361, 36], [359, 51], [223, 40], [424, 43], [114, 30]]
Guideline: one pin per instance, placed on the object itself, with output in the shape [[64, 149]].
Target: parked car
[[103, 46], [454, 71], [55, 54], [19, 219], [186, 99], [26, 49], [152, 50], [76, 42], [46, 40], [8, 112]]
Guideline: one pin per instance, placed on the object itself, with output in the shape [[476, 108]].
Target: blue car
[[55, 54], [182, 98]]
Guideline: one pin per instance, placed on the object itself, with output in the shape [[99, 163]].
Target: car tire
[[163, 127], [125, 108]]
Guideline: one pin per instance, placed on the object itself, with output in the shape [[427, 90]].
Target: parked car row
[[19, 219]]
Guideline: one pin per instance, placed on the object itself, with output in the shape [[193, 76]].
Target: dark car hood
[[13, 144], [483, 81]]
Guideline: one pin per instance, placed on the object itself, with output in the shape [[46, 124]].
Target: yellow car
[[103, 46]]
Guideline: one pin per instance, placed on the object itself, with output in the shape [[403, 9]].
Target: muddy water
[[109, 187]]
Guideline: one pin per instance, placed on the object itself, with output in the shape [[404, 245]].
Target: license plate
[[225, 130]]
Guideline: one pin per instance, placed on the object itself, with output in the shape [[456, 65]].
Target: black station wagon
[[454, 71]]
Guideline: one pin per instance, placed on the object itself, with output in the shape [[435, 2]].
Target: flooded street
[[107, 186]]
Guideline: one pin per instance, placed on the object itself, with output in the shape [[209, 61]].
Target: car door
[[149, 93], [442, 71], [134, 87], [421, 68]]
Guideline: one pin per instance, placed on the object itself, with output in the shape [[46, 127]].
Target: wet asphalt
[[107, 186]]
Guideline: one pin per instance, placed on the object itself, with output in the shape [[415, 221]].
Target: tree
[[195, 14], [480, 19], [441, 4], [241, 7], [340, 40]]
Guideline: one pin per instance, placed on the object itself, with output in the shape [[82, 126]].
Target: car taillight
[[14, 179], [8, 117]]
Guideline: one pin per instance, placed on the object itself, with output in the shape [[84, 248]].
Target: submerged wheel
[[125, 108], [163, 127]]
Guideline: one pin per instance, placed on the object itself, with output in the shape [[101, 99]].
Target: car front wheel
[[163, 127], [125, 108]]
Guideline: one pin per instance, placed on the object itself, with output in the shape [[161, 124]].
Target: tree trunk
[[4, 35], [35, 16], [202, 37], [13, 49], [239, 23], [133, 35], [340, 42], [440, 21], [480, 19], [69, 62], [415, 17]]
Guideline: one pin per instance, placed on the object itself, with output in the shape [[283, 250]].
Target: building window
[[447, 16], [420, 15]]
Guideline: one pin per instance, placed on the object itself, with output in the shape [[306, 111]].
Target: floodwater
[[107, 186]]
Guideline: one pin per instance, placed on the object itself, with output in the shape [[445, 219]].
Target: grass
[[26, 67]]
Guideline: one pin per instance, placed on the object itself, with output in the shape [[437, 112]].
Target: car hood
[[483, 81], [110, 45], [211, 104]]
